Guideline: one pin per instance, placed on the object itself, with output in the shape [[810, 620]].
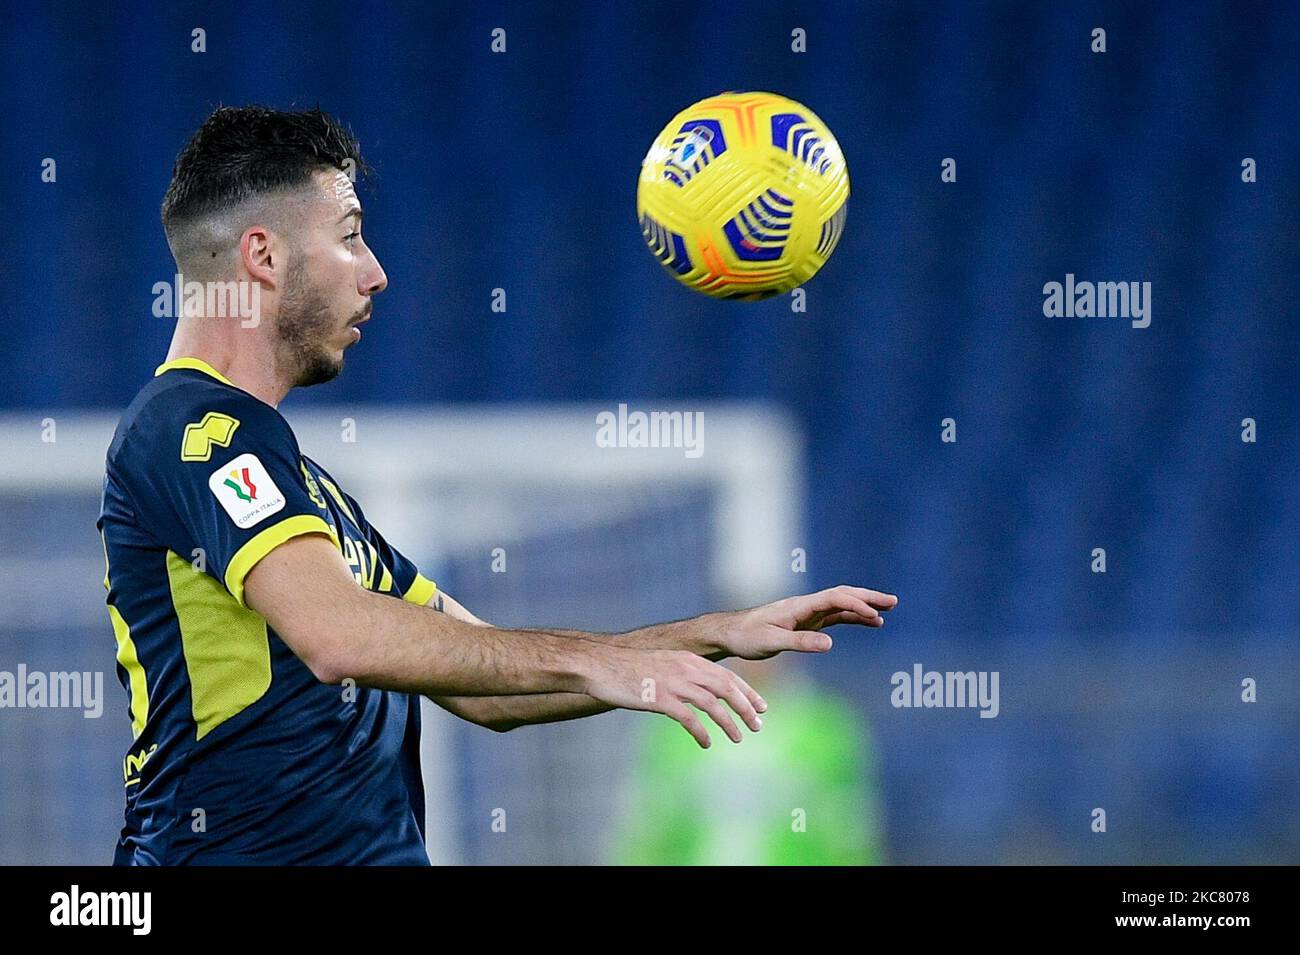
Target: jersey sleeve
[[413, 585], [218, 476]]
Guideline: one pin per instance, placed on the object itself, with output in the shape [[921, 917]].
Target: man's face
[[331, 276]]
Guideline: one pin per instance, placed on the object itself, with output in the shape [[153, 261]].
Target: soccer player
[[273, 645]]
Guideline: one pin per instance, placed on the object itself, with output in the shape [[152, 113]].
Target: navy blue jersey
[[240, 755]]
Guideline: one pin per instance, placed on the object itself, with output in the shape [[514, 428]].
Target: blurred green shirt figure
[[799, 792]]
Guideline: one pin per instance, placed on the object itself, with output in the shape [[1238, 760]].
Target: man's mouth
[[354, 323]]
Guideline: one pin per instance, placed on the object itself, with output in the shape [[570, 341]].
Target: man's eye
[[351, 236]]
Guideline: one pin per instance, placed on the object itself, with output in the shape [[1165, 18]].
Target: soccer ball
[[743, 195]]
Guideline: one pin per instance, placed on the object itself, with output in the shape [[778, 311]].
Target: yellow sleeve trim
[[246, 557], [421, 590]]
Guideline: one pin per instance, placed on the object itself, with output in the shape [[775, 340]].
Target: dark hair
[[244, 151]]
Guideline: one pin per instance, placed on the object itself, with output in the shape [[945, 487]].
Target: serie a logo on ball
[[743, 195]]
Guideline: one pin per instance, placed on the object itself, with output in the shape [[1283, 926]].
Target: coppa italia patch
[[246, 490]]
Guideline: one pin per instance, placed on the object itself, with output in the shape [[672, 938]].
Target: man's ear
[[255, 253]]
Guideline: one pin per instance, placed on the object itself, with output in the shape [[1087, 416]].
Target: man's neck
[[254, 373]]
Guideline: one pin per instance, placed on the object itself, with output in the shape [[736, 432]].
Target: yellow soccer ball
[[743, 195]]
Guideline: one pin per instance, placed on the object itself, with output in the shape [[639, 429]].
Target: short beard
[[304, 323]]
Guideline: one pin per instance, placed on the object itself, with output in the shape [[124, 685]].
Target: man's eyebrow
[[354, 211]]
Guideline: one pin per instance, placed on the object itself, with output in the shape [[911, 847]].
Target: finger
[[686, 716], [800, 641], [733, 689], [877, 599], [848, 616], [760, 704], [703, 698], [830, 601], [870, 610]]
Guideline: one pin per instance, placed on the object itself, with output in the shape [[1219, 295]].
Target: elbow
[[480, 711], [492, 719], [329, 661], [326, 669], [483, 712], [329, 649]]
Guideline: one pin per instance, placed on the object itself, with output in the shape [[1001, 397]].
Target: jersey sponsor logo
[[365, 563], [313, 489], [200, 436], [133, 764], [246, 491]]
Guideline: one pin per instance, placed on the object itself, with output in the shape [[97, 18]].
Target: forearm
[[700, 635], [434, 655], [503, 713]]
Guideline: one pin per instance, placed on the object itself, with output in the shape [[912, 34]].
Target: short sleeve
[[416, 588], [217, 474], [413, 585]]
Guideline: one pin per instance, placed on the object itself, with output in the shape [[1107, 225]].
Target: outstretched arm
[[504, 713], [756, 634], [306, 592]]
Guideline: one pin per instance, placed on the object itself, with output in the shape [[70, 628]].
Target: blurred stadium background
[[474, 429]]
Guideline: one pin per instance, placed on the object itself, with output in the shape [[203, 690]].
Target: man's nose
[[373, 279]]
